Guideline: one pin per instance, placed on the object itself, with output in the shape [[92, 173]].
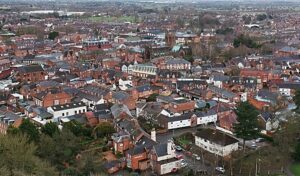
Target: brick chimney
[[169, 147], [153, 134]]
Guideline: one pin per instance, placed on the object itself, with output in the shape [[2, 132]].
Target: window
[[67, 113], [63, 114], [75, 112], [79, 111], [83, 110]]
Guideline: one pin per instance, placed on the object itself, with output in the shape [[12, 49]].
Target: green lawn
[[295, 168], [183, 141]]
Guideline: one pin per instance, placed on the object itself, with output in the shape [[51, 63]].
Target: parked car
[[196, 157], [220, 169], [254, 146], [258, 140], [178, 156], [183, 163], [178, 148]]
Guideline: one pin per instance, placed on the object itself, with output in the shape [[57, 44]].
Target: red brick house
[[287, 51], [262, 75], [181, 105], [52, 97], [121, 142], [135, 155], [30, 73]]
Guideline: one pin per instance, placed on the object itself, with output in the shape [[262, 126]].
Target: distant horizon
[[158, 0]]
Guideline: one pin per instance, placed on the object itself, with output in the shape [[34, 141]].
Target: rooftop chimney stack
[[153, 134], [169, 147]]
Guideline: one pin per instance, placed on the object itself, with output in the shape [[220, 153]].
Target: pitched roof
[[143, 88], [216, 136], [67, 106], [266, 116], [175, 118], [223, 92], [136, 150], [120, 95], [288, 49], [31, 69], [177, 61], [146, 142], [117, 109], [292, 85], [161, 149]]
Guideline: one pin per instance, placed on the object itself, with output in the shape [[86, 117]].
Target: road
[[191, 161], [196, 165]]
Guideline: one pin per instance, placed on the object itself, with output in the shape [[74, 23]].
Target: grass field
[[295, 168], [121, 19]]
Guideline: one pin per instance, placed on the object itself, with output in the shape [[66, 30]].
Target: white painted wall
[[244, 97], [89, 102], [168, 167], [285, 91], [123, 83], [66, 112], [215, 148], [207, 119], [179, 124]]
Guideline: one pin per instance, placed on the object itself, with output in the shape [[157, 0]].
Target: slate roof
[[45, 115], [48, 83], [161, 149], [146, 142], [101, 107], [120, 95], [181, 117], [127, 125], [117, 109], [288, 49], [207, 113], [165, 73], [67, 106], [191, 83], [177, 61], [294, 86], [223, 92], [221, 78], [110, 164], [78, 117], [10, 115], [136, 150], [266, 116], [31, 69], [216, 136], [143, 88], [42, 94], [266, 94], [88, 96]]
